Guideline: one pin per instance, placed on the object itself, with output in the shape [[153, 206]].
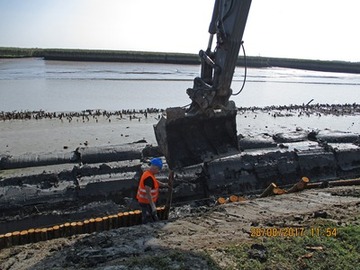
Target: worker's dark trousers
[[146, 215]]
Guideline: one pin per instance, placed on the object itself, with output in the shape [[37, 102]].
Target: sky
[[306, 29]]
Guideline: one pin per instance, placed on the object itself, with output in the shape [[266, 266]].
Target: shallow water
[[34, 84]]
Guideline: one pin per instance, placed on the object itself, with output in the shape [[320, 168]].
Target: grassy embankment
[[175, 58], [300, 252]]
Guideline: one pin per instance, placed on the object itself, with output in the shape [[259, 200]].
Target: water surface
[[34, 84]]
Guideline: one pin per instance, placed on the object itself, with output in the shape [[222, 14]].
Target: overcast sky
[[311, 29]]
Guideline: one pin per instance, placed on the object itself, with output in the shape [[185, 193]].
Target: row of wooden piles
[[122, 219]]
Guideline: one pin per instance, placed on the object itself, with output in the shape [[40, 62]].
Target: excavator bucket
[[189, 140]]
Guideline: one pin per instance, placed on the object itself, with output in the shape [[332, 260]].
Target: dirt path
[[185, 238]]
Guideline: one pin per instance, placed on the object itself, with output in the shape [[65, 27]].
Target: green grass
[[173, 259], [336, 252]]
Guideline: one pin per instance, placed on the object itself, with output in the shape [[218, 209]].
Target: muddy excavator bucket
[[188, 140]]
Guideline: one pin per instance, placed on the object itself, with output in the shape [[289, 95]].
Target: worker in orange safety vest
[[148, 191]]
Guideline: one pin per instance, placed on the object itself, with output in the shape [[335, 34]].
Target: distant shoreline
[[174, 58]]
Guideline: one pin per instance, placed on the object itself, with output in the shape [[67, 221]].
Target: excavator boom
[[208, 128]]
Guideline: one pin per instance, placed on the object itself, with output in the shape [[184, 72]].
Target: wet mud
[[47, 188]]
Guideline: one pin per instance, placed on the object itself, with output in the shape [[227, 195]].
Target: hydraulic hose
[[245, 72]]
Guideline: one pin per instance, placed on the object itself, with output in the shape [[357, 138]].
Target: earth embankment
[[175, 58]]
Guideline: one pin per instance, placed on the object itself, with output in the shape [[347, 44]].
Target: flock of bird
[[86, 115]]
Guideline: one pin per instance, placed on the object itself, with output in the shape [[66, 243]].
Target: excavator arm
[[212, 90], [208, 128]]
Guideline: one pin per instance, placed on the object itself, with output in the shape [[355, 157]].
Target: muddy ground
[[196, 233], [42, 132], [184, 240]]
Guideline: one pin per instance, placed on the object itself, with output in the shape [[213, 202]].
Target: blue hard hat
[[157, 162]]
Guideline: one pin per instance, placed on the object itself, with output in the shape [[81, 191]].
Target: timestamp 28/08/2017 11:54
[[293, 232]]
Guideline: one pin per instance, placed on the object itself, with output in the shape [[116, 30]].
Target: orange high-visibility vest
[[141, 193]]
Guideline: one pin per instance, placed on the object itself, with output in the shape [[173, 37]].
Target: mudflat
[[44, 132], [36, 196]]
